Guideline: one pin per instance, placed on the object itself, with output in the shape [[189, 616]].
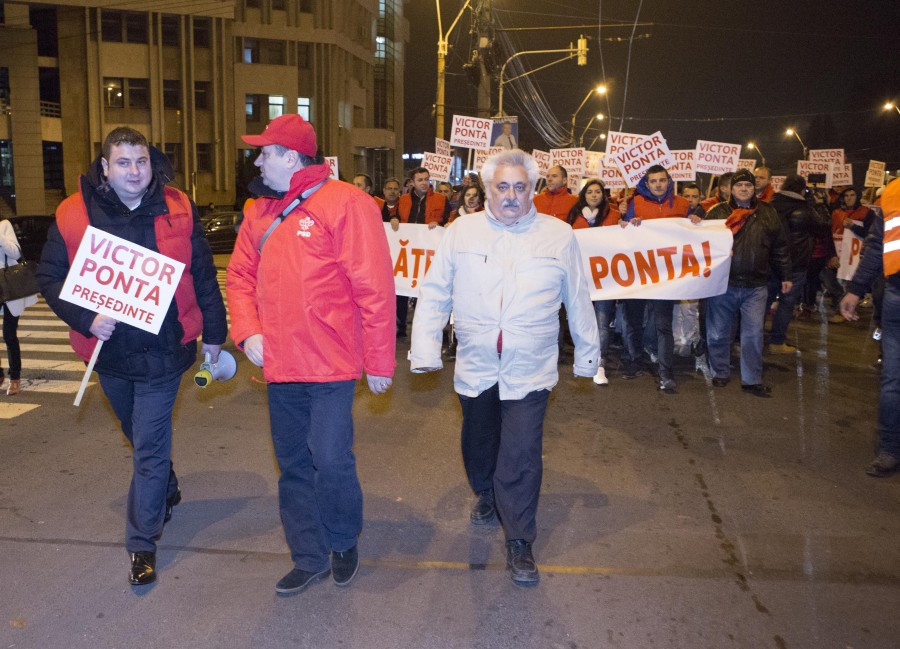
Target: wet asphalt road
[[710, 518]]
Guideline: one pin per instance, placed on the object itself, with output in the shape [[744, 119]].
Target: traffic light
[[582, 50]]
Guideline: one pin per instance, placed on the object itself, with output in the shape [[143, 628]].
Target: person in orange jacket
[[723, 193], [762, 178], [556, 200]]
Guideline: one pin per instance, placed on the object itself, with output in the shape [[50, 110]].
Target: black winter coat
[[804, 224]]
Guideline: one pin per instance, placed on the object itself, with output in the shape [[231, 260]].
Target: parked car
[[221, 231], [31, 231]]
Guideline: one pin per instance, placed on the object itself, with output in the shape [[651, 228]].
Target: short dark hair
[[726, 177], [690, 186], [368, 178], [391, 180], [794, 183], [562, 169], [655, 169], [419, 170], [123, 135]]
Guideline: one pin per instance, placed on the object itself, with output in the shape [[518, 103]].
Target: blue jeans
[[145, 412], [318, 491], [786, 302], [605, 310], [889, 408], [721, 314]]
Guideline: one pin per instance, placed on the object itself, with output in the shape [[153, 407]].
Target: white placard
[[572, 160], [834, 156], [543, 161], [332, 162], [842, 174], [471, 132], [672, 259], [747, 163], [636, 159], [849, 254], [120, 279], [716, 157], [806, 167], [683, 169], [412, 246], [619, 141], [481, 156], [777, 182], [875, 174], [593, 161], [442, 147], [610, 174], [438, 166]]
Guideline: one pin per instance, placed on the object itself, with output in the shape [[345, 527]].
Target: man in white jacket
[[504, 272]]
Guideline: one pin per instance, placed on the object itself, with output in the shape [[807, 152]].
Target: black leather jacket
[[804, 223], [760, 247]]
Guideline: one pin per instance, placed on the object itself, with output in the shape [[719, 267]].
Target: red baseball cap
[[291, 131]]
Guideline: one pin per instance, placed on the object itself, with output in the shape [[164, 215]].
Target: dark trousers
[[402, 314], [501, 446], [889, 406], [785, 310], [318, 492], [145, 412], [659, 318], [11, 339]]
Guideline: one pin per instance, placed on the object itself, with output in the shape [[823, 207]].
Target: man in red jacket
[[311, 295], [556, 200], [762, 180]]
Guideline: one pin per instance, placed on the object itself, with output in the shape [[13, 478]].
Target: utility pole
[[442, 49], [485, 32]]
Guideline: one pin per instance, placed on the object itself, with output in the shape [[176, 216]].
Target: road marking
[[10, 410]]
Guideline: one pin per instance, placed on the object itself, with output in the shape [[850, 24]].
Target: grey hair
[[510, 158]]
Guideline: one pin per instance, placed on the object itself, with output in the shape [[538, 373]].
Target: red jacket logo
[[305, 224]]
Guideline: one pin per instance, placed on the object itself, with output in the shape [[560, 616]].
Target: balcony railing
[[50, 109]]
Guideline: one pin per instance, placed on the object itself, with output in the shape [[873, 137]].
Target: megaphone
[[223, 370]]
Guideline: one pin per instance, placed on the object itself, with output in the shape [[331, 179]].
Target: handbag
[[17, 281]]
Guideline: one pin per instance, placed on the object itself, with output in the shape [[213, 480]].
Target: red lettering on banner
[[855, 247], [689, 263], [599, 270], [646, 267], [621, 259], [707, 257], [401, 266], [667, 254]]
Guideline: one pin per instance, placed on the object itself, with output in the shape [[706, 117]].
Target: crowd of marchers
[[312, 302]]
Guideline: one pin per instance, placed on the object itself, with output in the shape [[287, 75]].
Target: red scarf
[[738, 217], [302, 180]]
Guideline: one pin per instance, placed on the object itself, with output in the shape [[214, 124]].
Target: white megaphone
[[223, 370]]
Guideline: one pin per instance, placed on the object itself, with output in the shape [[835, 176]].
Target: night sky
[[729, 71]]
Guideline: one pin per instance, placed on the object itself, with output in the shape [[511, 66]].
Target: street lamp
[[892, 106], [602, 136], [791, 131], [762, 158], [443, 47], [571, 52], [600, 90], [598, 117]]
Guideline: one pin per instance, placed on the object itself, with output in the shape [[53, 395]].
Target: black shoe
[[170, 504], [484, 511], [667, 386], [143, 568], [883, 465], [520, 563], [297, 580], [632, 373], [719, 383], [758, 390], [344, 566]]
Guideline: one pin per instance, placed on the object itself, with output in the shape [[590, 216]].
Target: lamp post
[[443, 47], [598, 117], [892, 106], [601, 136], [791, 131], [762, 158], [600, 90]]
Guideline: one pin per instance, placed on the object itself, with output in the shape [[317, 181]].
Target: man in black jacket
[[125, 194], [760, 247], [805, 221]]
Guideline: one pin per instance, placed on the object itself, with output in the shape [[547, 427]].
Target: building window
[[358, 117], [304, 108], [280, 5], [172, 93], [111, 26], [276, 106], [173, 152], [251, 50], [251, 4], [138, 93], [271, 52], [113, 92], [204, 157], [202, 32], [171, 31], [201, 94], [136, 30], [303, 56], [306, 6], [252, 107]]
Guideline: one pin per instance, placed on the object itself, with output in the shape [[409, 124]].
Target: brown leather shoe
[[13, 387]]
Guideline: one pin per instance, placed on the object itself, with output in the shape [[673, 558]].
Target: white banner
[[120, 279], [716, 157], [471, 132], [875, 174], [670, 259], [412, 247], [543, 161], [442, 147], [572, 160], [332, 162], [683, 169], [636, 159], [438, 166], [849, 254]]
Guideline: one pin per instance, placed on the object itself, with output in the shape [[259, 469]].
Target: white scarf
[[590, 214]]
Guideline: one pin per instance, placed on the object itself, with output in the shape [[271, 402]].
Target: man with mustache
[[504, 273]]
